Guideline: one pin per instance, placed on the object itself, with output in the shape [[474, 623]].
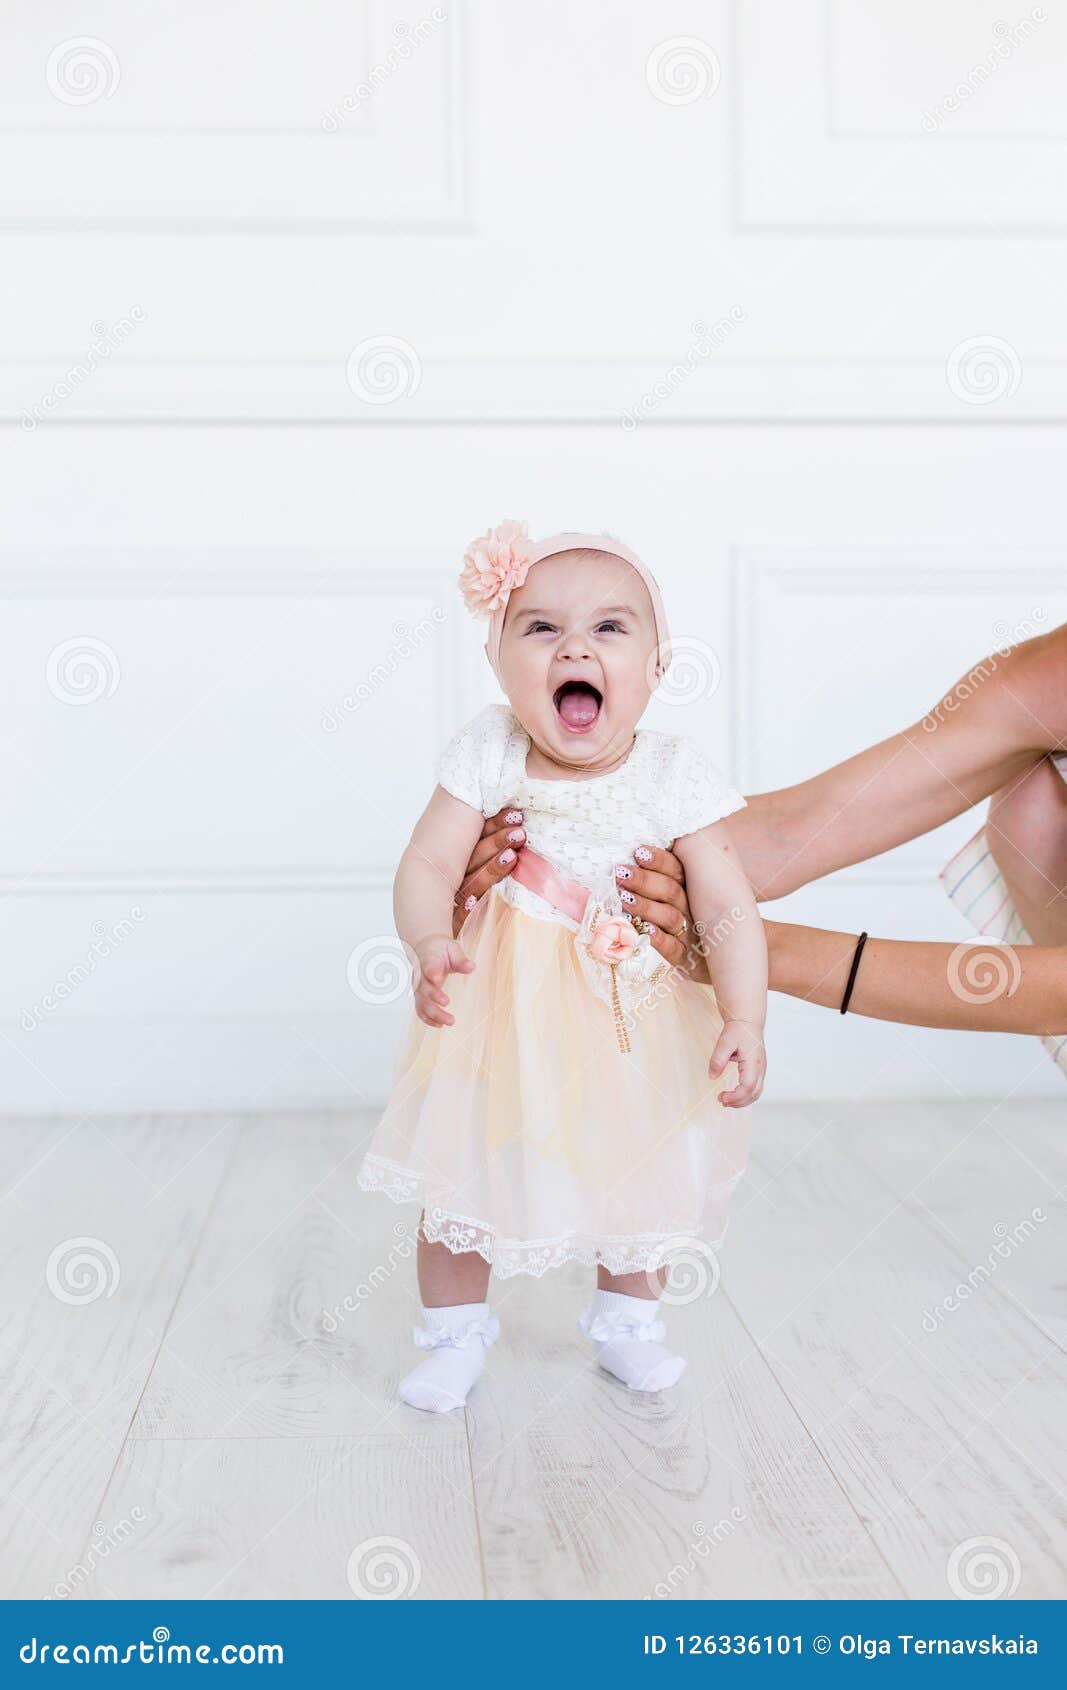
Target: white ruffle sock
[[457, 1338], [628, 1334]]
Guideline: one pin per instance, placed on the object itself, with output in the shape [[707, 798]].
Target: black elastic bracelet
[[853, 971]]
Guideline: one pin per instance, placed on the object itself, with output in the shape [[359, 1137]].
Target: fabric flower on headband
[[494, 565]]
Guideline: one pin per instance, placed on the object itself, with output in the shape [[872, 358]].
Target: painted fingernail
[[517, 836], [623, 873], [506, 858], [469, 903], [649, 928], [643, 854], [627, 897], [513, 815]]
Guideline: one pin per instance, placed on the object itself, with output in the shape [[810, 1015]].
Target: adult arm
[[987, 731], [979, 986]]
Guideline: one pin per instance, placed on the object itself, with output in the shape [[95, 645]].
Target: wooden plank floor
[[204, 1323]]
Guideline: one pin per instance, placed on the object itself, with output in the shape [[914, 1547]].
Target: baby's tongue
[[578, 708]]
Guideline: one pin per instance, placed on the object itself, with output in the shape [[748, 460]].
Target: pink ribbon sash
[[537, 875]]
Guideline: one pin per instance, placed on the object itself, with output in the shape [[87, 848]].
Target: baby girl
[[565, 1098]]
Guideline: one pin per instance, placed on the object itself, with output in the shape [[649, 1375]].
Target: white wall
[[847, 500]]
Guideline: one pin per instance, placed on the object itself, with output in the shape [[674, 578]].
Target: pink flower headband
[[500, 560]]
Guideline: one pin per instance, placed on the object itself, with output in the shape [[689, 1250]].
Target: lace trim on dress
[[636, 1253]]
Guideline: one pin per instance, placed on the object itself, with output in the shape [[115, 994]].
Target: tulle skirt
[[526, 1133]]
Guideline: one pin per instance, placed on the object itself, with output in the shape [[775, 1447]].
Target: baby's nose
[[573, 646]]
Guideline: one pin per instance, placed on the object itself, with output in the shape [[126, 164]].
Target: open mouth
[[577, 705]]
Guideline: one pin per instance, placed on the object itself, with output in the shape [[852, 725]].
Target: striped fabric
[[975, 885]]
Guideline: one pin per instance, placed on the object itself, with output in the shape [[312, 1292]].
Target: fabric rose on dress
[[494, 565], [614, 940]]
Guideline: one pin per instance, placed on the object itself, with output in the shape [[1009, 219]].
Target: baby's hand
[[438, 957], [740, 1042]]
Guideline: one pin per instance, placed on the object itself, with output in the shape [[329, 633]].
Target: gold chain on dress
[[620, 1020], [616, 1006]]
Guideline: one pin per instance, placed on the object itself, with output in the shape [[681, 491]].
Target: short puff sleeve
[[699, 793], [470, 764]]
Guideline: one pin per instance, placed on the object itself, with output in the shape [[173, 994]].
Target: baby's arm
[[731, 936], [429, 875]]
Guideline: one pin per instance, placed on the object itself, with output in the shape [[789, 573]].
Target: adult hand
[[493, 858], [652, 887]]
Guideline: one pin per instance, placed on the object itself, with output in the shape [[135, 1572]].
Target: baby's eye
[[540, 628], [610, 627]]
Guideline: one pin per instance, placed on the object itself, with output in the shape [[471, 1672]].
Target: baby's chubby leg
[[623, 1322], [457, 1328]]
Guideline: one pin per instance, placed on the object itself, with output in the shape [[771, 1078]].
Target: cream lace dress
[[524, 1131]]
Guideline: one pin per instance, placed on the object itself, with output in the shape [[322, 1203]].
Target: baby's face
[[577, 656]]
